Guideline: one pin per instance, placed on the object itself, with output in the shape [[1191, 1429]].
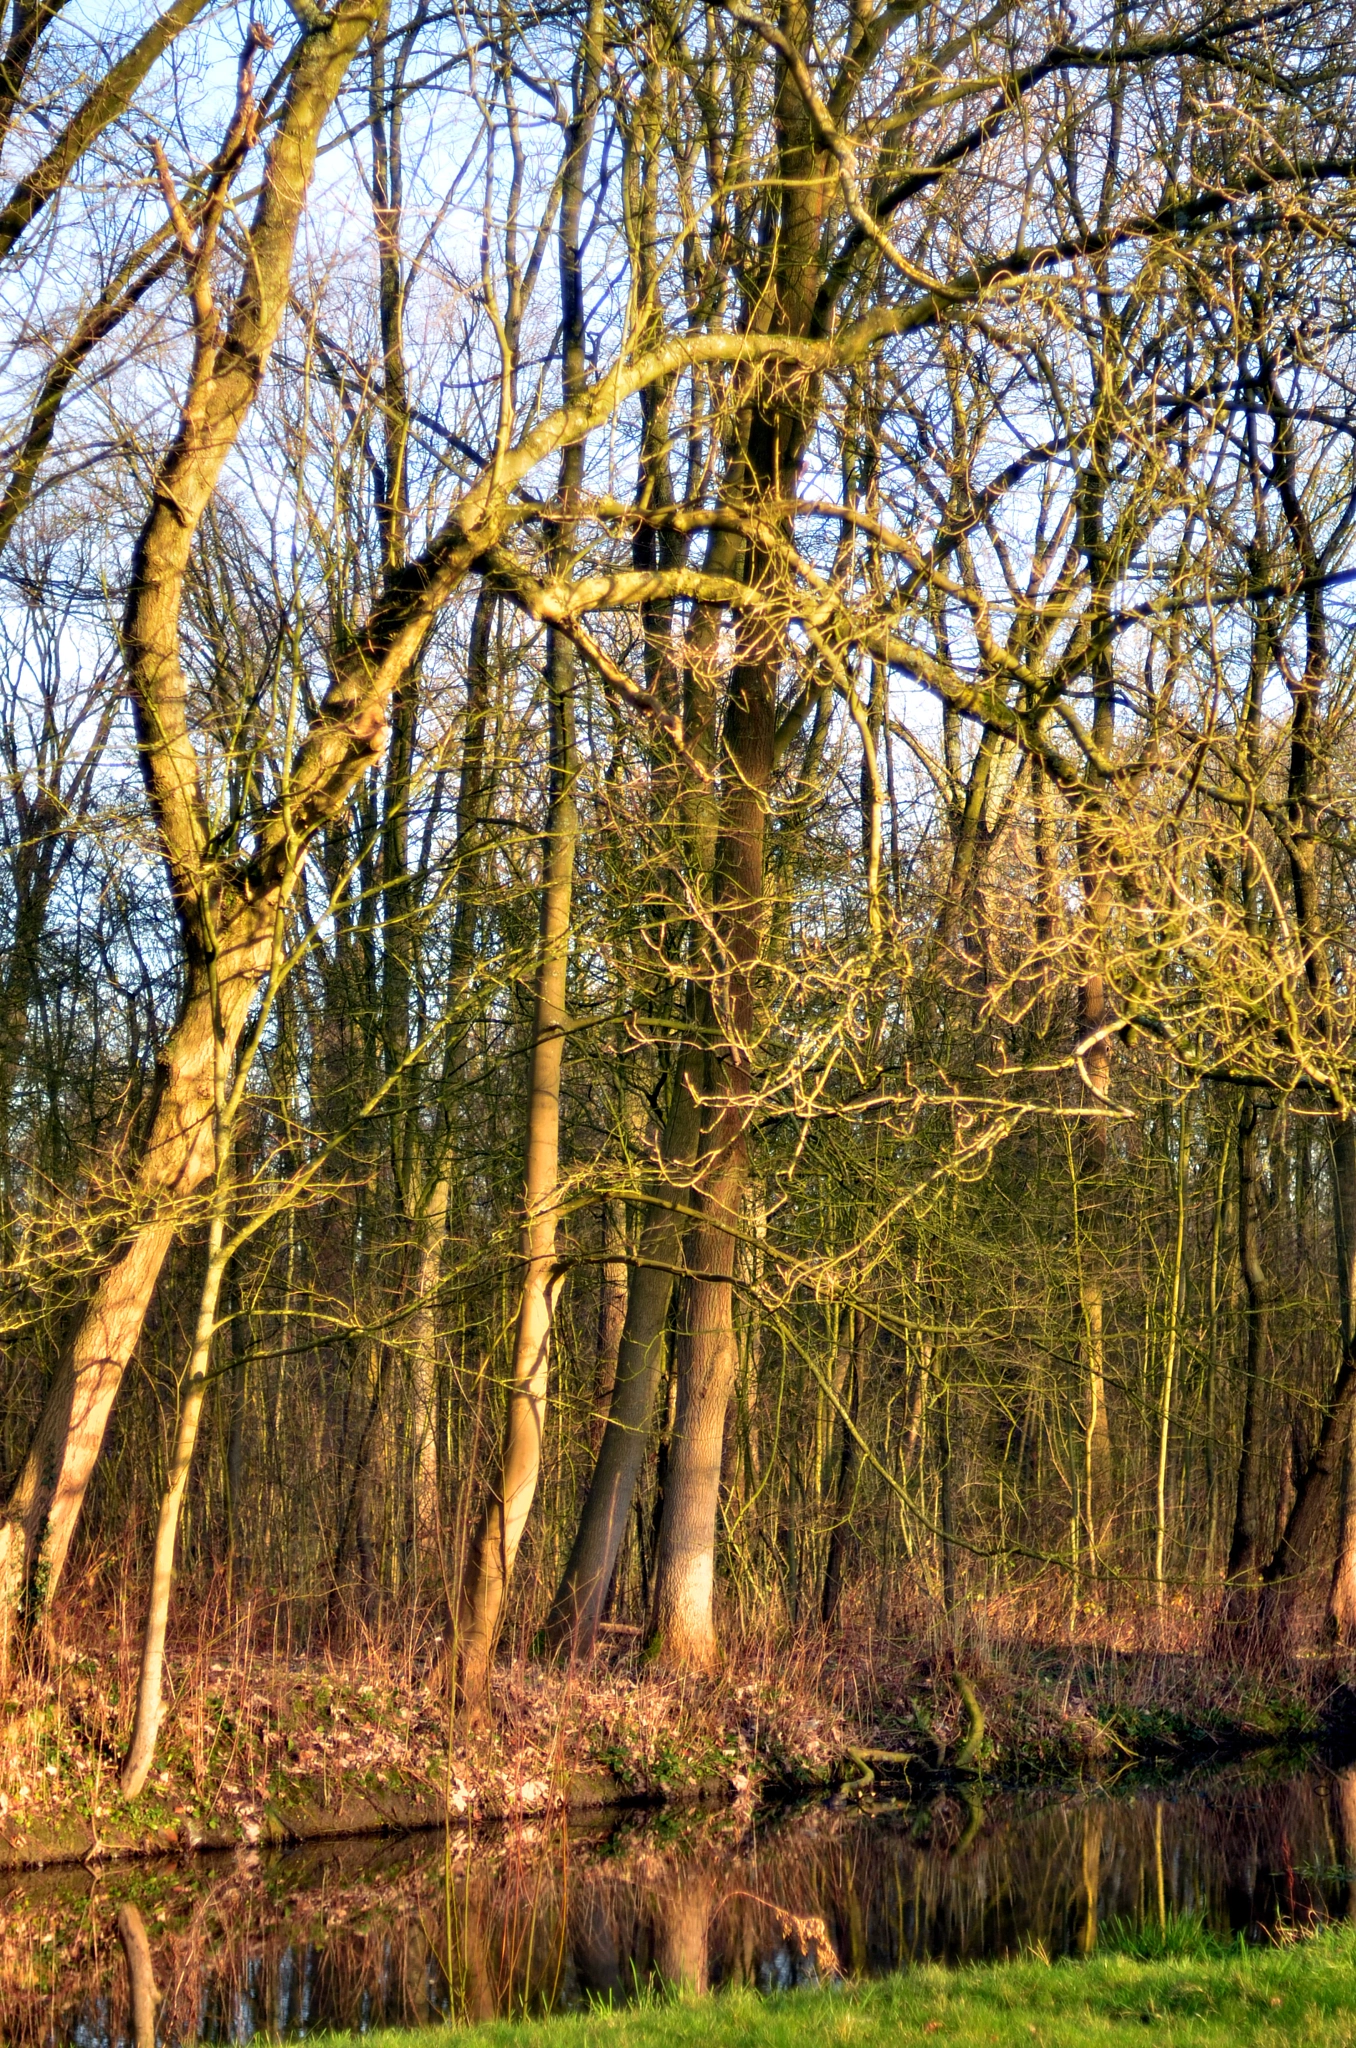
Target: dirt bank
[[255, 1750]]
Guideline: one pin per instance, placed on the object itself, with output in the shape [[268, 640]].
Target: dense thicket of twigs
[[788, 569]]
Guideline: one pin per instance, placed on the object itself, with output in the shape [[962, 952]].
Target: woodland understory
[[677, 1018]]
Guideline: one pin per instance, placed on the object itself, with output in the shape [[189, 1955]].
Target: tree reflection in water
[[413, 1931]]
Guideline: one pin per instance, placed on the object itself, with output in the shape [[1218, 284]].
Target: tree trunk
[[235, 1436], [45, 1504], [1342, 1591], [1170, 1355], [422, 1352], [143, 1995], [1243, 1546], [1097, 1470], [706, 1359], [429, 1225], [494, 1546], [849, 1466], [611, 1318], [227, 938], [577, 1610], [1296, 1556], [1341, 1615], [149, 1702], [706, 1354], [946, 1492]]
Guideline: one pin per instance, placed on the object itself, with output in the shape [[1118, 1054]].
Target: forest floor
[[258, 1744], [1218, 1997]]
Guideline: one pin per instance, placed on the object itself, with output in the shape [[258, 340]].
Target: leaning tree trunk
[[1297, 1554], [577, 1610], [143, 1995], [45, 1504], [146, 1728], [234, 931]]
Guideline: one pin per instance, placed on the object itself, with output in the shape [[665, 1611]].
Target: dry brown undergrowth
[[248, 1713]]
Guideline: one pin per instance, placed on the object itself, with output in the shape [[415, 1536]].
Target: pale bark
[[422, 1346], [1095, 1015], [428, 1227], [946, 1502], [706, 1355], [494, 1546], [683, 1623], [683, 1912], [1170, 1357], [143, 1995], [45, 1504], [771, 450], [1097, 1466], [1094, 1822], [577, 1609], [141, 1751]]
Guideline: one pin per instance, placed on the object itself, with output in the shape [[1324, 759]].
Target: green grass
[[1218, 1997]]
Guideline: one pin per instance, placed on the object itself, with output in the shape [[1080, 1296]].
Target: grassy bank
[[1214, 1997]]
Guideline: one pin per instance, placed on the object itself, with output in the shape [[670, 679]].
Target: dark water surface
[[411, 1931]]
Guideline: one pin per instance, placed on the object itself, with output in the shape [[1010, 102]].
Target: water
[[409, 1932]]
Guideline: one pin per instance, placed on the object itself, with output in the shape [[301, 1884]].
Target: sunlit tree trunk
[[45, 1504], [706, 1352], [494, 1545], [146, 1727], [236, 936]]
